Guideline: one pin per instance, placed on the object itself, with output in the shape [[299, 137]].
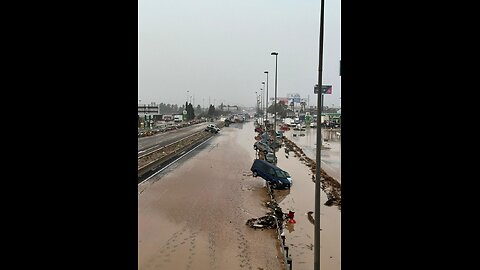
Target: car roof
[[268, 163]]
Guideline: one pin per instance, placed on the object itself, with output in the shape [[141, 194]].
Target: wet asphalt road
[[193, 214], [164, 138]]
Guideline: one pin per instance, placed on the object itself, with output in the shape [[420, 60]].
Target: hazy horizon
[[218, 50]]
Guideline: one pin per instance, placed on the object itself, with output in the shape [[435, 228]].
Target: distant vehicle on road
[[178, 118], [167, 117], [259, 129], [276, 177], [212, 128]]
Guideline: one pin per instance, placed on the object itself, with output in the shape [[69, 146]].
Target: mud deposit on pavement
[[300, 199], [300, 235], [331, 150], [328, 184], [194, 217]]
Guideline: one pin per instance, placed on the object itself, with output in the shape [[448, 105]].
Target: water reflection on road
[[331, 158], [301, 199]]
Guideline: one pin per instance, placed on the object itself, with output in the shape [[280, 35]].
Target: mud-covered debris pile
[[328, 184], [270, 220], [265, 222]]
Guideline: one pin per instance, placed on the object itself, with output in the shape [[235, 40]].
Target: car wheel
[[265, 152], [274, 185], [255, 174]]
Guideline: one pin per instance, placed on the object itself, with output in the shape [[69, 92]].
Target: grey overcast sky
[[219, 49]]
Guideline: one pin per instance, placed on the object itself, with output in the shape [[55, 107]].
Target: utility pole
[[316, 262]]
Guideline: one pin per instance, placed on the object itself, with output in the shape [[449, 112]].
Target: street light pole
[[275, 101], [316, 262], [266, 101], [263, 96], [256, 97], [262, 104]]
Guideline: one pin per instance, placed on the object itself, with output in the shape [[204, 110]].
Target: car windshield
[[282, 174]]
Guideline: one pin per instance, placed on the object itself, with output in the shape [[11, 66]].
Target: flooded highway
[[331, 158], [192, 215], [301, 199], [165, 138]]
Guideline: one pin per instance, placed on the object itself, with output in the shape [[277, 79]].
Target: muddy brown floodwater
[[301, 199], [331, 157], [194, 216]]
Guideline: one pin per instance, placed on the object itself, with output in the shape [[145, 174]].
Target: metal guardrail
[[280, 235]]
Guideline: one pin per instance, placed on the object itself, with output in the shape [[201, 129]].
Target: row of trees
[[191, 112], [280, 107], [170, 108]]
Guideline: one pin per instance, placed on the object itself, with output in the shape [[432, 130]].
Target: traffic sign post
[[326, 89]]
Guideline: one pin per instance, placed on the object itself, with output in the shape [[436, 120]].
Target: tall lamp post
[[139, 125], [256, 96], [263, 96], [275, 101], [316, 262], [266, 101]]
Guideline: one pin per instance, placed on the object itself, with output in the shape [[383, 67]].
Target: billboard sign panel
[[294, 97], [326, 89]]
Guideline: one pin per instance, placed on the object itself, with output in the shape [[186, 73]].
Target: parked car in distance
[[276, 177], [270, 157], [259, 129], [212, 128], [261, 146]]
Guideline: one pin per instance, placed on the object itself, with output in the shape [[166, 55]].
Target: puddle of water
[[331, 158], [300, 236]]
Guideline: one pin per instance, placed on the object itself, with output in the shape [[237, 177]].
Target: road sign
[[326, 89]]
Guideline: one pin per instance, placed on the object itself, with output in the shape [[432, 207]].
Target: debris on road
[[328, 184], [267, 221]]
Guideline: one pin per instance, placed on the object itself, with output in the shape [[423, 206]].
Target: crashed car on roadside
[[276, 177], [261, 146], [212, 128]]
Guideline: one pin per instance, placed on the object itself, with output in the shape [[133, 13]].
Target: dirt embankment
[[328, 184]]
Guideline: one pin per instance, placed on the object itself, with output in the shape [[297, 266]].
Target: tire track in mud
[[211, 250], [244, 254], [164, 254], [193, 239]]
